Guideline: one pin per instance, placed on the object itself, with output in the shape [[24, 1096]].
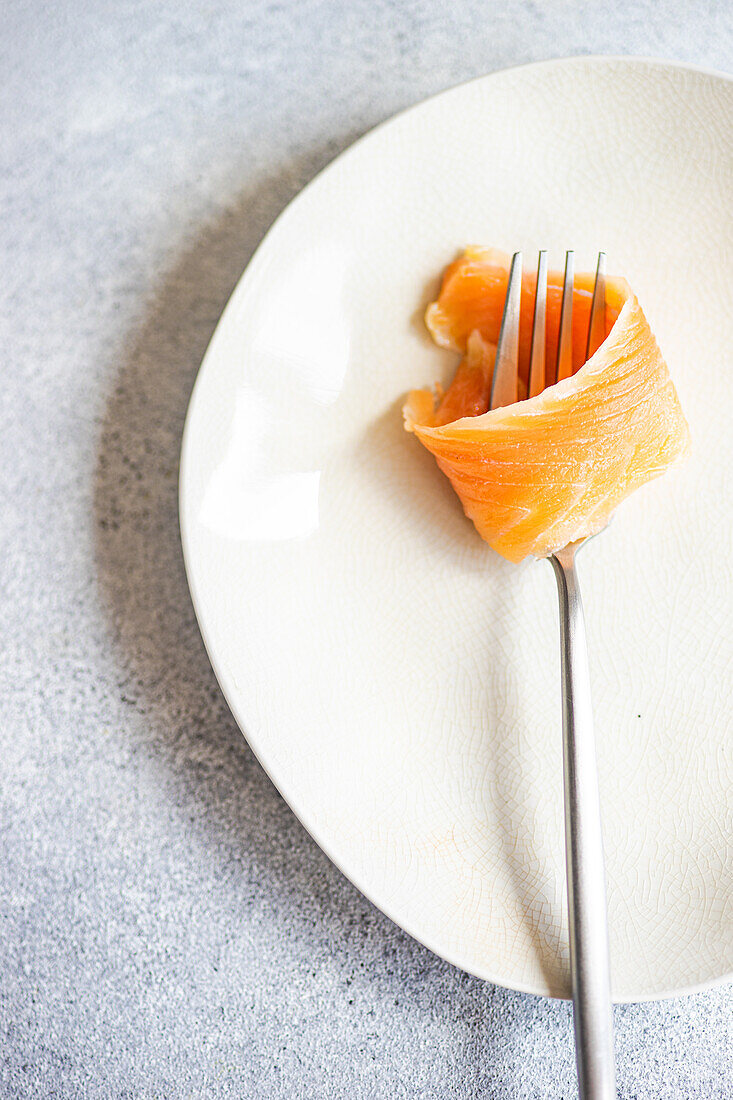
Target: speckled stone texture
[[167, 927]]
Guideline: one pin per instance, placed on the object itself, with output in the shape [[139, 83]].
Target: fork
[[589, 961]]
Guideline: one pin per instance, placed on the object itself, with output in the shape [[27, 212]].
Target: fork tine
[[537, 355], [506, 366], [565, 337], [597, 322]]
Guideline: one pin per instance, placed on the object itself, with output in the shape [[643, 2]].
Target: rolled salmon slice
[[544, 472]]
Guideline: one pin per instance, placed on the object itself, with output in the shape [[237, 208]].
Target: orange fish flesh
[[544, 472]]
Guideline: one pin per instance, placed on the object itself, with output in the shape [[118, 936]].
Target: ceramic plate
[[398, 680]]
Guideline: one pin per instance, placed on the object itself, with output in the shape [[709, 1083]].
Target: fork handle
[[589, 964]]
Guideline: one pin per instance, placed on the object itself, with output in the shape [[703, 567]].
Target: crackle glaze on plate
[[398, 680]]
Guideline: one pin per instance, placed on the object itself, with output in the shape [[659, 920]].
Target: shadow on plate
[[409, 483]]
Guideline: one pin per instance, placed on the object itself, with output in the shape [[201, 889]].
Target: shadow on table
[[187, 729]]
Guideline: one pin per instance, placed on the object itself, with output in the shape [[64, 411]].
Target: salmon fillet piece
[[544, 472]]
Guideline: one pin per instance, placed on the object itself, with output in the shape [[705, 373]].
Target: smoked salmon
[[549, 470]]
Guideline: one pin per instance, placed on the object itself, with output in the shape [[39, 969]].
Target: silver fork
[[588, 922]]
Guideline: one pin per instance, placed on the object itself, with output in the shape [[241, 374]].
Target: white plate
[[398, 680]]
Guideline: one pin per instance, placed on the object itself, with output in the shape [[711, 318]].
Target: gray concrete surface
[[167, 929]]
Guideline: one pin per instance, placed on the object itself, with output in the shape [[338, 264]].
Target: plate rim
[[229, 690]]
